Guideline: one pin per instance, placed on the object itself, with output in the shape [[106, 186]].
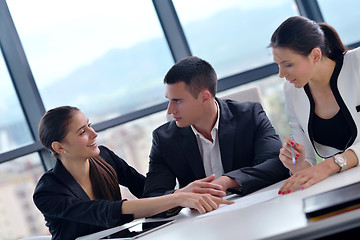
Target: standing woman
[[81, 194], [322, 98]]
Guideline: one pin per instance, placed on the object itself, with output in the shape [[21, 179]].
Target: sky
[[188, 10], [60, 36], [73, 33]]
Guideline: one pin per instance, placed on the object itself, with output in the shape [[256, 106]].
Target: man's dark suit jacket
[[249, 149], [68, 210]]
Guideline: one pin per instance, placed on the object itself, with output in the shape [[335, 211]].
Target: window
[[232, 35], [108, 58], [274, 100], [14, 131], [347, 27], [18, 179], [132, 142]]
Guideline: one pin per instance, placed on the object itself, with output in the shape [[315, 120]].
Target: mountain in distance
[[120, 81], [126, 79]]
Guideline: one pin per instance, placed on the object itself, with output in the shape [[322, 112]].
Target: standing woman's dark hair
[[54, 127], [301, 35]]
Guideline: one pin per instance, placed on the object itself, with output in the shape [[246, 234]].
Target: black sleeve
[[58, 202], [267, 168], [160, 180]]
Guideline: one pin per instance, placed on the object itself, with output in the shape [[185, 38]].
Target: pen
[[292, 151]]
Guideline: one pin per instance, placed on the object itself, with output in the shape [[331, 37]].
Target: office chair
[[252, 94]]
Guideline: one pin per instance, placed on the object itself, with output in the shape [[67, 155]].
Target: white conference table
[[261, 215]]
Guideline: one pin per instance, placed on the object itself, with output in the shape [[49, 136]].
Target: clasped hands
[[210, 191]]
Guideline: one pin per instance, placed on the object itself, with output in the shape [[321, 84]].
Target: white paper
[[246, 201]]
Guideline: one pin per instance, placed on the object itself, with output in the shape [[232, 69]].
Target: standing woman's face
[[295, 68], [80, 141]]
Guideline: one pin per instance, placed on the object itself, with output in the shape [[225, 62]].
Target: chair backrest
[[48, 237], [252, 94]]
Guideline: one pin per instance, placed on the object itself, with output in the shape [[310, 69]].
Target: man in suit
[[212, 145]]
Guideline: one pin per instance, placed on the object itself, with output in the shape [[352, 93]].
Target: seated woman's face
[[80, 141]]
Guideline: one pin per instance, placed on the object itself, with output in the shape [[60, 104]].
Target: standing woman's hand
[[305, 178], [286, 155]]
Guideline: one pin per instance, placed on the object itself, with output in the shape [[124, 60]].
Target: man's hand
[[226, 182], [204, 185]]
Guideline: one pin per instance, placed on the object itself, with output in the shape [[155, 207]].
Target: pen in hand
[[292, 151]]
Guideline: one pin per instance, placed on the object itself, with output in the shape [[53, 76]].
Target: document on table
[[245, 201]]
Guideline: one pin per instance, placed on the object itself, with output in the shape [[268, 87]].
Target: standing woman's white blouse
[[300, 107]]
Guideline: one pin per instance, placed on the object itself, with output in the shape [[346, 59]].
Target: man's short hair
[[196, 73]]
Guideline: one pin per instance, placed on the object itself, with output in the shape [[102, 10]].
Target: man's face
[[183, 107]]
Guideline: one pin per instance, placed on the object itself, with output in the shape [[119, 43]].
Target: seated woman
[[81, 194], [322, 100]]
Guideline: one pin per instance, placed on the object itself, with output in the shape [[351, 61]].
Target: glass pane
[[106, 57], [232, 35], [334, 13], [133, 142], [19, 216], [14, 131], [274, 100]]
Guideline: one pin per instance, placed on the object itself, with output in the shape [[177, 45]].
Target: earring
[[316, 63]]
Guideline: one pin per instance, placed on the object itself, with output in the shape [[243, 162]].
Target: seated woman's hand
[[201, 202]]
